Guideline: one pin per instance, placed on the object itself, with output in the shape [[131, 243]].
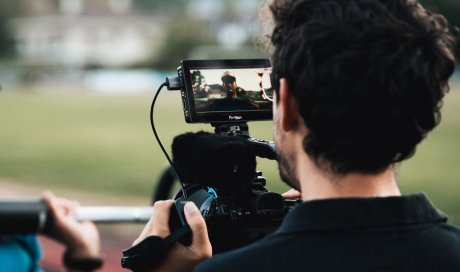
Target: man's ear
[[288, 111]]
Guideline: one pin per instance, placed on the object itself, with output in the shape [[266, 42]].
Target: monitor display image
[[226, 90]]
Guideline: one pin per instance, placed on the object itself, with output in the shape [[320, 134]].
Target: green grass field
[[105, 144]]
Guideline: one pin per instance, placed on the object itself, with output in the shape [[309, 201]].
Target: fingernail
[[190, 208]]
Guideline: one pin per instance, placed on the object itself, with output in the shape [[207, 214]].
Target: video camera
[[221, 179], [218, 171]]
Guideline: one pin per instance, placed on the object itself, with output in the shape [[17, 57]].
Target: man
[[359, 84], [230, 86], [235, 97]]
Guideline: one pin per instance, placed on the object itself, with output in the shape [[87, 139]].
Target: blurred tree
[[182, 36], [168, 6], [7, 43], [451, 10]]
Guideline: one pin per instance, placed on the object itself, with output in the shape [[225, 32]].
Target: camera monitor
[[226, 91]]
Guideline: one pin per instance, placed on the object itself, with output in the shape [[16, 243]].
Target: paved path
[[115, 237]]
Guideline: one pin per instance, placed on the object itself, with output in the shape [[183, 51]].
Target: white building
[[80, 36]]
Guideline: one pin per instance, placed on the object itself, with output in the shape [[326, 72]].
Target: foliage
[[451, 10], [7, 44], [182, 36]]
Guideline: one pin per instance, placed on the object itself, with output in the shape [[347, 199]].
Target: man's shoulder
[[299, 244]]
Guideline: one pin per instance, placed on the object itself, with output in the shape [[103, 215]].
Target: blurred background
[[77, 78]]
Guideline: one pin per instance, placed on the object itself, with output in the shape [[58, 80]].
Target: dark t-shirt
[[355, 234]]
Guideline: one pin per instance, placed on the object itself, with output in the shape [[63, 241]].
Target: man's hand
[[180, 257]]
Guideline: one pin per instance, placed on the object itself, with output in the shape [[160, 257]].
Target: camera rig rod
[[231, 129], [33, 216], [114, 214]]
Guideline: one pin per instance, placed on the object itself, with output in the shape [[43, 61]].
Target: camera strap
[[152, 250]]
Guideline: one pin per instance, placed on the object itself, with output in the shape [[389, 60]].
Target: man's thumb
[[200, 239]]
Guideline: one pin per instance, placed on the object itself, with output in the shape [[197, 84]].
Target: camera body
[[235, 220], [218, 173]]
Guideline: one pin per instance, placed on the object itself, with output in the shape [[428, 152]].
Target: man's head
[[368, 77], [229, 82]]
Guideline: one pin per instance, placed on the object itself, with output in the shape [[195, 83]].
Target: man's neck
[[318, 184]]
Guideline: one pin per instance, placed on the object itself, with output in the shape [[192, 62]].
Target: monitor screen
[[228, 90]]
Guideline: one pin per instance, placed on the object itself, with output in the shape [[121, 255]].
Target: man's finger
[[158, 225], [293, 193], [160, 218], [200, 239]]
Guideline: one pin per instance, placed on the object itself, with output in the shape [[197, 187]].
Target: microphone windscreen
[[226, 163]]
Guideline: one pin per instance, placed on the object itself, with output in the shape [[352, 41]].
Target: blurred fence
[[98, 81]]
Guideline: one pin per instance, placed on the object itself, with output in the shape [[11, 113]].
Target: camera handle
[[263, 148], [151, 251], [231, 129]]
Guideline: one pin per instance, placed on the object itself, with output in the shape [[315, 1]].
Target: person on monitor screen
[[232, 102], [236, 98], [358, 85], [229, 85], [22, 252]]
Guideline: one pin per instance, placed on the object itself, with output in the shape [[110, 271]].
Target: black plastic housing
[[197, 108]]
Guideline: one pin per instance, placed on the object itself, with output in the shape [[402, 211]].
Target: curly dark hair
[[368, 76]]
